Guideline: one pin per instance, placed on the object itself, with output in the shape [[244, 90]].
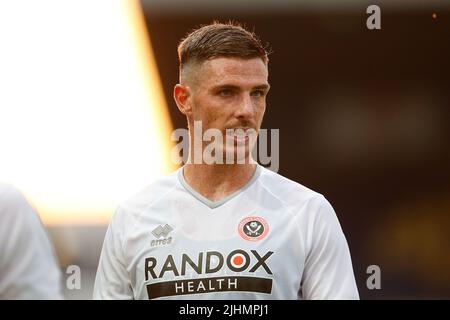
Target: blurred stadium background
[[86, 112]]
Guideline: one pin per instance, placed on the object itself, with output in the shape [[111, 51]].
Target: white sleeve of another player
[[112, 280], [328, 272], [28, 266]]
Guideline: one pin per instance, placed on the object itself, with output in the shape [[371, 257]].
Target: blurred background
[[86, 113]]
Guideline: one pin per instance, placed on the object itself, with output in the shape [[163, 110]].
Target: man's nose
[[246, 108]]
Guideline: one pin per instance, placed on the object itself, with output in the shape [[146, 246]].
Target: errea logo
[[161, 232]]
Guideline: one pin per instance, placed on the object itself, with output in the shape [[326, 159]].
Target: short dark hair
[[220, 40]]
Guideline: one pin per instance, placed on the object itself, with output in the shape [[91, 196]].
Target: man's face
[[229, 94]]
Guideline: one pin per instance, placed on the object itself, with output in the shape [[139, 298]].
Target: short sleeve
[[328, 272], [112, 280]]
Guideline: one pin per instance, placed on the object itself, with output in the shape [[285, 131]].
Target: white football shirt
[[273, 239], [28, 266]]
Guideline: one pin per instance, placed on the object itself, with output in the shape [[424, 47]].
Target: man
[[28, 267], [221, 230]]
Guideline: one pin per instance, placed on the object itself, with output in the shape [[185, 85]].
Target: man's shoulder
[[17, 214], [290, 192], [12, 201], [152, 192], [8, 192]]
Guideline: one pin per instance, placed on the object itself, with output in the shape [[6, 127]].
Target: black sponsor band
[[204, 285]]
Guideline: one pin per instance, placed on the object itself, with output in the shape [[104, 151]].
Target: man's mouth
[[239, 135]]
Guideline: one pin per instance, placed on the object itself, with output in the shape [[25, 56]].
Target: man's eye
[[257, 93], [225, 92]]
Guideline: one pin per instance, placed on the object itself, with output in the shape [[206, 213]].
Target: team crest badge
[[253, 228]]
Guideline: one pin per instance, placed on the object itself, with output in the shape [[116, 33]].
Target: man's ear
[[181, 94]]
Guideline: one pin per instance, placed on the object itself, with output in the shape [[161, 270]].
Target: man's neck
[[218, 181]]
